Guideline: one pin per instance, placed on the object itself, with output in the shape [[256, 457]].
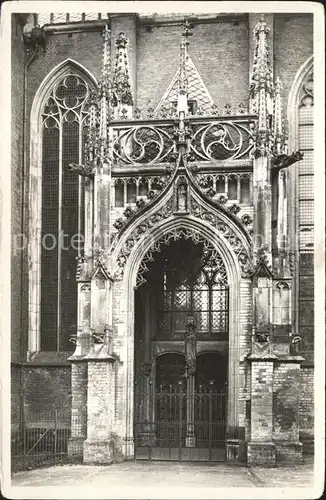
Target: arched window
[[131, 191], [190, 280], [119, 190], [232, 187], [57, 207], [244, 189], [305, 190]]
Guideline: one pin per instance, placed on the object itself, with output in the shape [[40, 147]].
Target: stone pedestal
[[261, 453], [102, 445], [78, 410], [261, 448], [79, 395]]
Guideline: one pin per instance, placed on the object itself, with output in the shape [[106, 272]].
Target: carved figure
[[182, 198], [190, 345], [86, 170], [285, 161]]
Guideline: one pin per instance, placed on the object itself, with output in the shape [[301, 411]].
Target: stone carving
[[262, 337], [143, 144], [262, 267], [190, 345], [121, 79], [215, 259], [182, 198], [85, 170], [246, 219], [227, 233], [141, 229], [234, 209], [285, 161], [85, 288]]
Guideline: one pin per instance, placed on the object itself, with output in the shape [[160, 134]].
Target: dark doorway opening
[[181, 408]]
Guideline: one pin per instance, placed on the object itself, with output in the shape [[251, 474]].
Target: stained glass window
[[306, 218], [64, 123]]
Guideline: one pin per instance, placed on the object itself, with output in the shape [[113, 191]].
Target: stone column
[[79, 375], [102, 444]]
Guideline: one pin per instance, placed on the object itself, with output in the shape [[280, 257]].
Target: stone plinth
[[102, 445]]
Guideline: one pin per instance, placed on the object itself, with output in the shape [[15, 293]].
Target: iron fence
[[40, 438]]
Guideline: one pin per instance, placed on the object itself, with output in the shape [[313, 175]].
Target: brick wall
[[17, 85], [306, 409], [47, 388], [293, 44], [220, 52], [245, 319], [15, 393], [286, 385], [261, 405]]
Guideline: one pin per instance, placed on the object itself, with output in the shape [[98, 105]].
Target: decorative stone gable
[[197, 91]]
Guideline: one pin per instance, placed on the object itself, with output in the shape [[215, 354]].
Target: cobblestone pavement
[[166, 479]]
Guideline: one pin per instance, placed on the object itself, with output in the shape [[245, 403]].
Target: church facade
[[162, 186]]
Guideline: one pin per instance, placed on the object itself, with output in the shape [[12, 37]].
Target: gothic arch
[[140, 230], [127, 286], [65, 68]]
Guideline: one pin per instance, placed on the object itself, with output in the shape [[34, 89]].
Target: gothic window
[[192, 281], [64, 126], [143, 187], [244, 189], [119, 189], [220, 184], [131, 191], [306, 214], [232, 187]]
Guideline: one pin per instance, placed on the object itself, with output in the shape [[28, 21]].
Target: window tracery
[[64, 126]]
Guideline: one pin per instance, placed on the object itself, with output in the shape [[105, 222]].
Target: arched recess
[[293, 110], [57, 75], [126, 313]]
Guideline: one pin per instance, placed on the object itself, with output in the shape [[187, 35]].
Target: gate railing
[[163, 420], [40, 437]]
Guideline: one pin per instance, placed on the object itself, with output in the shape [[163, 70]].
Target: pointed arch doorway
[[181, 354]]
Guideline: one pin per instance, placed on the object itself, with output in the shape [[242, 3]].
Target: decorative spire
[[279, 139], [261, 88], [91, 143], [121, 81], [183, 79], [105, 96]]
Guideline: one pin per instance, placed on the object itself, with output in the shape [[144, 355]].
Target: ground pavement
[[136, 479]]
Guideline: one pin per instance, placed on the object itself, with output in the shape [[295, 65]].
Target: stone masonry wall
[[15, 393], [47, 388], [293, 44], [220, 51], [245, 319], [306, 409], [16, 168]]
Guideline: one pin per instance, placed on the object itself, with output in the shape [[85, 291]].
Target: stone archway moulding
[[141, 230], [35, 193], [181, 224]]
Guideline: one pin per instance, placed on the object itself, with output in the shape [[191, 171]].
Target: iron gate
[[173, 424]]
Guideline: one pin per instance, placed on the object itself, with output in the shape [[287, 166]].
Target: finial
[[187, 30], [261, 87], [121, 78], [279, 139]]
